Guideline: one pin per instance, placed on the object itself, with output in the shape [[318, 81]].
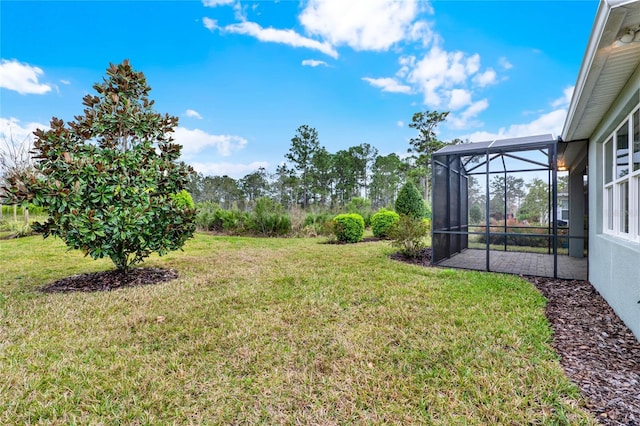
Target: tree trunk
[[15, 212]]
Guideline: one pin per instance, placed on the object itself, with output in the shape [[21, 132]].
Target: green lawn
[[276, 331]]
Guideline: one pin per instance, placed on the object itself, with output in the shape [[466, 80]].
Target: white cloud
[[563, 102], [234, 170], [438, 71], [422, 32], [459, 99], [388, 85], [313, 63], [13, 130], [23, 78], [215, 3], [550, 122], [273, 35], [504, 63], [400, 123], [210, 24], [363, 24], [467, 117], [194, 141], [485, 78], [65, 82], [193, 114]]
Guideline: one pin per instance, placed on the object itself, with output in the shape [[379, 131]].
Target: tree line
[[312, 177]]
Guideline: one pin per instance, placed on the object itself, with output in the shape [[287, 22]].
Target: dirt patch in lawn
[[111, 280], [597, 350]]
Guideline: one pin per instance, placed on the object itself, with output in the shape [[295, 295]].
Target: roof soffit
[[605, 68]]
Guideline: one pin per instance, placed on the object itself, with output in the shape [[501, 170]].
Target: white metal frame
[[614, 216]]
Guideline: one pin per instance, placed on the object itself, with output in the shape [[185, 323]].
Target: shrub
[[183, 200], [382, 222], [410, 202], [518, 240], [361, 206], [408, 235], [211, 217], [205, 214], [316, 223], [349, 227], [269, 218], [16, 229], [297, 216]]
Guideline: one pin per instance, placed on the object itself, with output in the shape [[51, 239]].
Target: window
[[621, 186]]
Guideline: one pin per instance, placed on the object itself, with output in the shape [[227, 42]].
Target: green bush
[[349, 227], [15, 229], [183, 200], [107, 178], [361, 206], [383, 221], [518, 240], [410, 202], [408, 235], [269, 219], [211, 217], [316, 223], [229, 221]]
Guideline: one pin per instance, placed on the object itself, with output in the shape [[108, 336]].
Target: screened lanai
[[499, 206]]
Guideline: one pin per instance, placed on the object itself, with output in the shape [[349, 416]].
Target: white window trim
[[632, 179]]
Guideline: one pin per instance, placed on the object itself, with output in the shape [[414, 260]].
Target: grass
[[10, 228], [276, 331]]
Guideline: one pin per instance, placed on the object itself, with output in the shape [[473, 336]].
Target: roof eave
[[587, 70]]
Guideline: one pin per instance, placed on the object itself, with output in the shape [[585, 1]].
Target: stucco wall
[[614, 263]]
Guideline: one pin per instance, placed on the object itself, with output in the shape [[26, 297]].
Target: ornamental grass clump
[[349, 227], [382, 222]]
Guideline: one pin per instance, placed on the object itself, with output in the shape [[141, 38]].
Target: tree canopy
[[111, 178]]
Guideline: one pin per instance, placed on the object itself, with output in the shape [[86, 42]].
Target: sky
[[242, 76]]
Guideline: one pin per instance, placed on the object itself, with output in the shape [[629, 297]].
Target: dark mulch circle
[[597, 350], [423, 259], [111, 280]]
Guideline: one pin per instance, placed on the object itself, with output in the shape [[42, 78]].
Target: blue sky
[[243, 76]]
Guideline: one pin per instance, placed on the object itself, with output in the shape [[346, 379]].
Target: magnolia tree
[[111, 179]]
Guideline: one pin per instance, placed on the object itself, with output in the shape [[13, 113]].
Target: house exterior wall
[[614, 263]]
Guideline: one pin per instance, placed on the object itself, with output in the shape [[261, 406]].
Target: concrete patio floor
[[512, 262]]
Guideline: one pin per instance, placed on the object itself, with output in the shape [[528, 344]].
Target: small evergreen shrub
[[183, 200], [410, 202], [361, 206], [382, 222], [349, 227], [518, 240], [211, 217], [232, 222], [408, 235], [269, 219], [316, 223]]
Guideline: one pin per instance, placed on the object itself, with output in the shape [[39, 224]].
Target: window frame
[[615, 221]]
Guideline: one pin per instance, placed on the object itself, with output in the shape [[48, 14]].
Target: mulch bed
[[597, 350], [111, 280]]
